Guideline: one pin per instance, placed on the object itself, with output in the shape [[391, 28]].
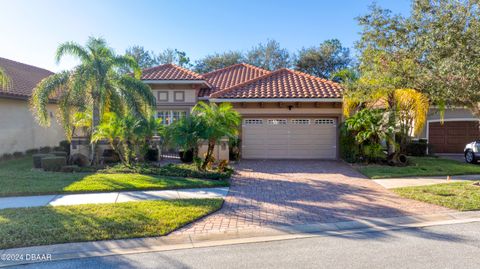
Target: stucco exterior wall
[[19, 131], [189, 92], [288, 109], [450, 114]]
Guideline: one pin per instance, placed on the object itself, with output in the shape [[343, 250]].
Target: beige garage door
[[282, 138]]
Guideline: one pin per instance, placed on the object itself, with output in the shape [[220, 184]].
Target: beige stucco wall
[[189, 90], [288, 109], [220, 151], [450, 114], [19, 131]]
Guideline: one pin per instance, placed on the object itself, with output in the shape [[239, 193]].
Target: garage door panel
[[452, 136], [290, 140]]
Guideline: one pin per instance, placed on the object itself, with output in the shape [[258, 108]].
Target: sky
[[30, 31]]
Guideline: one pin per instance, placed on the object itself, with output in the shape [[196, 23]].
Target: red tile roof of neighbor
[[230, 76], [283, 83], [23, 78], [169, 72]]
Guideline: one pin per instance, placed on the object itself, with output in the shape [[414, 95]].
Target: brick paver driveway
[[265, 193]]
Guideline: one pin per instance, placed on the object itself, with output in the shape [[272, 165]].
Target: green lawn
[[18, 178], [462, 196], [51, 225], [421, 166]]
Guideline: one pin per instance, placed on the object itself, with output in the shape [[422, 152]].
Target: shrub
[[234, 149], [151, 155], [349, 149], [45, 149], [31, 151], [65, 145], [17, 154], [373, 152], [70, 168], [79, 159], [7, 156], [222, 166], [59, 153], [37, 159], [191, 170], [417, 148], [173, 170], [53, 163]]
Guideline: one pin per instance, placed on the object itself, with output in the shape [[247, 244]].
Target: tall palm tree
[[217, 121], [95, 85]]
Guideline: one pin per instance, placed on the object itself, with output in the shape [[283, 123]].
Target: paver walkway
[[110, 197], [287, 192]]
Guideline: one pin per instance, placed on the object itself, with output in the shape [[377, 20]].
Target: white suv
[[472, 152]]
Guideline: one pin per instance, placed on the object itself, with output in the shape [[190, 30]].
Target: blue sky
[[30, 31]]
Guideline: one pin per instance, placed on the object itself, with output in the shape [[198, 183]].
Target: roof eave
[[176, 81], [271, 100]]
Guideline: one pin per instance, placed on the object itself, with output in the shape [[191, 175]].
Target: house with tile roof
[[285, 114], [19, 130]]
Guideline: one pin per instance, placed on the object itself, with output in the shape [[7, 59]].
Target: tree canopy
[[270, 56], [325, 60], [434, 50], [144, 58], [217, 61], [174, 56]]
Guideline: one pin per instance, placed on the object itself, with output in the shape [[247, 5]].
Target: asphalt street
[[450, 246]]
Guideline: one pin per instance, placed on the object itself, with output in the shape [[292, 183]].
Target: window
[[253, 122], [301, 121], [169, 116], [162, 96], [277, 122], [325, 121], [179, 96]]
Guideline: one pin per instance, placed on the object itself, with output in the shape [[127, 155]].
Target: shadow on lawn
[[53, 225]]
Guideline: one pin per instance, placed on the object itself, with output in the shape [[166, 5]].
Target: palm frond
[[44, 92], [73, 49], [4, 79], [128, 62]]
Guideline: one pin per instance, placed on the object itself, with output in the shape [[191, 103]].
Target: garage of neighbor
[[452, 136], [289, 138]]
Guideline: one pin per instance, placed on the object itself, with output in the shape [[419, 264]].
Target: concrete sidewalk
[[264, 234], [391, 183], [110, 197]]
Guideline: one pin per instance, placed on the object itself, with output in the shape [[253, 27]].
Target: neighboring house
[[286, 114], [459, 127], [19, 130]]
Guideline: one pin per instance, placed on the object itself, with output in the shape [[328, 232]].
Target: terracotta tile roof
[[283, 83], [23, 78], [230, 76], [169, 72]]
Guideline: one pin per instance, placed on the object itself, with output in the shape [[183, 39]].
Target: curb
[[272, 233]]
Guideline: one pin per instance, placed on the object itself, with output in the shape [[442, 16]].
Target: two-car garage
[[289, 138]]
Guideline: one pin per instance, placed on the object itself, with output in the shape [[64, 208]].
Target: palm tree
[[185, 133], [217, 121], [95, 85], [122, 133]]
